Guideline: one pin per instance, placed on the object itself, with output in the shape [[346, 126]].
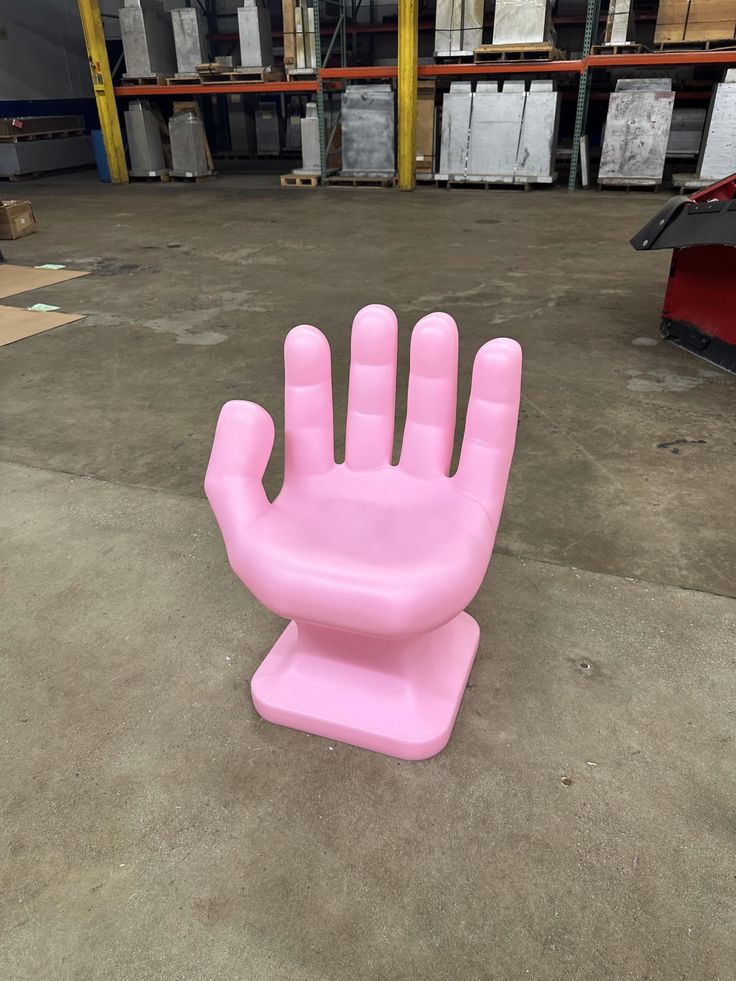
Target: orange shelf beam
[[502, 68], [216, 88], [663, 58], [436, 71], [542, 67], [371, 71]]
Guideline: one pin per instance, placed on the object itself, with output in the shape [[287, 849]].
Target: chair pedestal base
[[398, 697]]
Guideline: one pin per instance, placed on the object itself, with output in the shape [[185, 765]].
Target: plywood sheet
[[20, 279], [695, 20], [711, 20], [17, 322]]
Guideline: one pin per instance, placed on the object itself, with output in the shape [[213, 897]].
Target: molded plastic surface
[[373, 562]]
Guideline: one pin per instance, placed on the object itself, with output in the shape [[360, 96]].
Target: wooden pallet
[[617, 49], [360, 181], [299, 180], [487, 185], [144, 79], [517, 52], [721, 44], [189, 79], [149, 178], [183, 179], [632, 185], [50, 135], [454, 59], [217, 75]]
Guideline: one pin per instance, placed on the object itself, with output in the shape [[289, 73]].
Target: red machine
[[700, 303]]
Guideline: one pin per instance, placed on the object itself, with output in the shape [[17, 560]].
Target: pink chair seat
[[406, 551]]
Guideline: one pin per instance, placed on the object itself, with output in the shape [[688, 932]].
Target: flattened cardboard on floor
[[17, 322], [20, 279]]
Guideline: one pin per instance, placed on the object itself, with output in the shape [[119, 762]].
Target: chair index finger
[[308, 431]]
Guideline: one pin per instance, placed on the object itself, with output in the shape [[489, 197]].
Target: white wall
[[42, 54]]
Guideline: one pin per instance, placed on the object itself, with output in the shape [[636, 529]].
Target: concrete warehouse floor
[[580, 823]]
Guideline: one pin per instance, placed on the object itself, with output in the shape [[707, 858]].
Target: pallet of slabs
[[299, 49], [458, 28], [309, 141], [457, 105], [718, 153], [517, 22], [619, 23], [15, 128], [619, 32], [242, 126], [292, 126], [637, 133], [189, 40], [254, 30], [148, 39], [191, 158], [686, 132], [681, 21], [21, 159], [145, 146], [268, 129], [368, 132], [500, 135]]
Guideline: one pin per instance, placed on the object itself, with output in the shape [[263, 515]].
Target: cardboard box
[[16, 219], [695, 20], [425, 128]]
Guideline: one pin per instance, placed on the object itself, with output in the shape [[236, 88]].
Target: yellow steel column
[[407, 91], [99, 66]]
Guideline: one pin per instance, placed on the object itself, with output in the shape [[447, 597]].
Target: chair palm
[[365, 546]]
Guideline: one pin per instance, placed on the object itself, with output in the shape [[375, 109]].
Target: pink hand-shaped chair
[[372, 563]]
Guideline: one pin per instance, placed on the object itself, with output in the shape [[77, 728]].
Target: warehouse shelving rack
[[334, 77]]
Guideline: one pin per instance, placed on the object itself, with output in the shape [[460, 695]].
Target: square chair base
[[398, 697]]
